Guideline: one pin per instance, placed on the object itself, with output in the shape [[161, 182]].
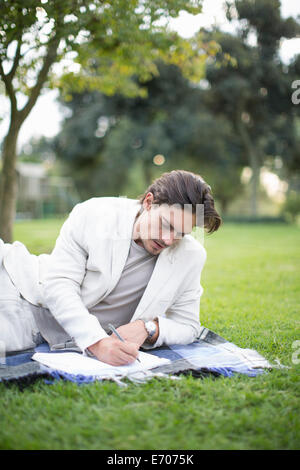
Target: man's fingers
[[130, 348], [127, 352], [115, 352], [124, 359]]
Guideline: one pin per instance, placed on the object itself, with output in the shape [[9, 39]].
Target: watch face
[[151, 328]]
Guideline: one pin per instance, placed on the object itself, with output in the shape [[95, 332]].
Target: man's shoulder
[[108, 201], [97, 206], [192, 249], [102, 215]]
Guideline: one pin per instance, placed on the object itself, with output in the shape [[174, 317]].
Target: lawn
[[251, 297]]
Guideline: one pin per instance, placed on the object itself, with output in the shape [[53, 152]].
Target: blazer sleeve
[[181, 323], [62, 282]]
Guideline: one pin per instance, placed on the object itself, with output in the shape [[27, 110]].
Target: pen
[[112, 328]]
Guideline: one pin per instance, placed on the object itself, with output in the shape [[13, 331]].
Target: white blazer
[[86, 264]]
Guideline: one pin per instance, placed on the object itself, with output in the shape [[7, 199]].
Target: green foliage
[[37, 150], [253, 92], [265, 17], [291, 208], [109, 41], [244, 118], [106, 137]]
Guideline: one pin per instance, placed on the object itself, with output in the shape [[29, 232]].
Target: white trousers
[[18, 329]]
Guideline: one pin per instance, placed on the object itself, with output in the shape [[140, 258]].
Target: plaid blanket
[[209, 355]]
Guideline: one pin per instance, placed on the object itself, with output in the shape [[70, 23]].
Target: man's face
[[161, 226]]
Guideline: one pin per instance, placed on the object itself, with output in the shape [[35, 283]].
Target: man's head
[[171, 206]]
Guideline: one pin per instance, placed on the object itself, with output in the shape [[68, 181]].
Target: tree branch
[[13, 69], [42, 76], [9, 89]]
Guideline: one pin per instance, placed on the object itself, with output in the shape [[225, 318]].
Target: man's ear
[[148, 201]]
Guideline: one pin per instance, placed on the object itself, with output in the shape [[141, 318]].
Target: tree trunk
[[255, 167], [8, 183], [254, 164], [224, 205]]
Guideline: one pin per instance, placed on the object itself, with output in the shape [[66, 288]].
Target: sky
[[45, 118]]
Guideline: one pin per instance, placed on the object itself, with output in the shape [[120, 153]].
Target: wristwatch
[[151, 329]]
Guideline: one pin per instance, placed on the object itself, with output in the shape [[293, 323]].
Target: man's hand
[[115, 352], [134, 332]]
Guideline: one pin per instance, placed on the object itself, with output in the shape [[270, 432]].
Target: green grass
[[251, 297]]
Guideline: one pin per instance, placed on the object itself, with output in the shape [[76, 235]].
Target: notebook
[[75, 363]]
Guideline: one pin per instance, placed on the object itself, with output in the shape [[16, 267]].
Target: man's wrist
[[155, 337], [152, 335]]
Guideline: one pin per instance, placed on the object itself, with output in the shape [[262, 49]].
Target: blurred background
[[218, 94]]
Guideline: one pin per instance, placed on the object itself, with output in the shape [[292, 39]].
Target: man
[[129, 262]]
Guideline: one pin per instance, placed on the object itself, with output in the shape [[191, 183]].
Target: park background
[[148, 90]]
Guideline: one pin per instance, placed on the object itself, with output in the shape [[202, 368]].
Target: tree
[[110, 41], [118, 131], [113, 135], [254, 90]]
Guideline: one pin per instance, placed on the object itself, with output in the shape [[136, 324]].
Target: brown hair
[[185, 187]]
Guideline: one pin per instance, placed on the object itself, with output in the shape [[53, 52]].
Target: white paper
[[75, 363]]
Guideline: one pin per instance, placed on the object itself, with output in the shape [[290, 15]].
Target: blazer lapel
[[122, 240]]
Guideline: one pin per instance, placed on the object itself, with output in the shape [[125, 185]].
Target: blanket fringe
[[279, 365], [134, 377]]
